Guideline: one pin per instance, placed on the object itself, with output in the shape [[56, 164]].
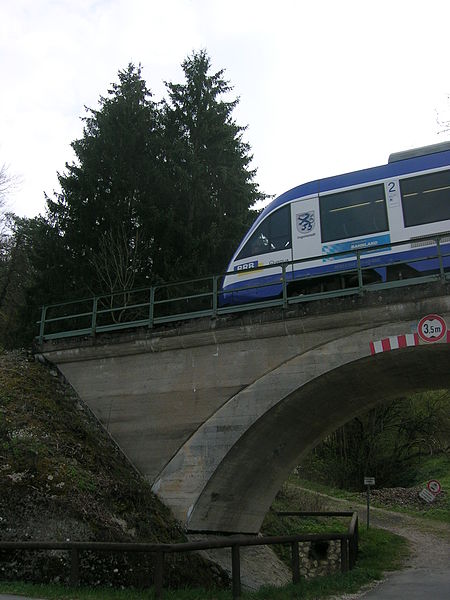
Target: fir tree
[[112, 188], [209, 166], [157, 192]]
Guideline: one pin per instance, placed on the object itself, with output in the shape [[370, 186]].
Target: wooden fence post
[[159, 574], [295, 563], [344, 555], [236, 571], [74, 568]]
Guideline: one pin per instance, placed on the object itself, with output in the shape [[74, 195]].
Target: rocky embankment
[[400, 497], [62, 478]]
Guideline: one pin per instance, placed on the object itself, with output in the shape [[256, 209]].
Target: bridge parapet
[[187, 300]]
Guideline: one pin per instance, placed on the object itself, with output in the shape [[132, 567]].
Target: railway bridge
[[216, 412]]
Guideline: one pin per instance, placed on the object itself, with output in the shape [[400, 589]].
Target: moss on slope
[[62, 477]]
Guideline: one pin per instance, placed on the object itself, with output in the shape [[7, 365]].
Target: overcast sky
[[325, 86]]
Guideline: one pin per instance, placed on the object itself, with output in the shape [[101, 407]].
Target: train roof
[[419, 151], [401, 163]]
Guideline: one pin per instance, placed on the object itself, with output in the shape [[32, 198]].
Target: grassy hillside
[[62, 478], [401, 499]]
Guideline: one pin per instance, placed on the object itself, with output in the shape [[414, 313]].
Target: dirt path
[[429, 541]]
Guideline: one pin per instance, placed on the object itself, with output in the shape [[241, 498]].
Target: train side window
[[353, 213], [426, 198], [273, 234]]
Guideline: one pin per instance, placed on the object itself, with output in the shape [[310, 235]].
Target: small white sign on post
[[368, 481]]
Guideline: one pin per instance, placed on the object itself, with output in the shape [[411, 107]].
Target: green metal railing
[[183, 300]]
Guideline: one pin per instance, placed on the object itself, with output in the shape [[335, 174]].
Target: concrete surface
[[420, 584]]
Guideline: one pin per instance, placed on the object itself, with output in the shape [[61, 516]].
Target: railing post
[[215, 297], [355, 544], [344, 555], [94, 315], [74, 568], [295, 562], [42, 324], [236, 571], [284, 282], [151, 308], [352, 552], [360, 275], [159, 568], [441, 260]]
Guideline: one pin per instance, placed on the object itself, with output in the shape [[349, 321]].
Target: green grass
[[290, 498], [432, 513], [324, 489], [437, 467], [380, 551], [59, 592], [432, 467]]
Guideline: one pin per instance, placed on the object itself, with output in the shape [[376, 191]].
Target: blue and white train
[[403, 201]]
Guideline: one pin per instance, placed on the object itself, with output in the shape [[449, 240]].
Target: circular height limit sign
[[434, 486], [431, 328]]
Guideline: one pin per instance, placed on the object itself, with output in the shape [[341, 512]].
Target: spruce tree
[[111, 191], [208, 164], [157, 192]]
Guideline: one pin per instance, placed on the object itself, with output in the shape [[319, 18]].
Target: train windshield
[[273, 234], [353, 213], [426, 198]]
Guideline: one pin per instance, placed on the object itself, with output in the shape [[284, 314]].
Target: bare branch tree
[[7, 184], [443, 124], [116, 265]]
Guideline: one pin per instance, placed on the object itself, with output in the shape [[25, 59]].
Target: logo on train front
[[306, 221]]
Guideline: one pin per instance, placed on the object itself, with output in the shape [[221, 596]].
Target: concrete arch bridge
[[215, 413]]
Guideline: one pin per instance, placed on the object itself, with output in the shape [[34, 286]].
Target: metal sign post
[[368, 481]]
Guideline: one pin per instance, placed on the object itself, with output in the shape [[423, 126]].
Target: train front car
[[256, 269], [309, 236]]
